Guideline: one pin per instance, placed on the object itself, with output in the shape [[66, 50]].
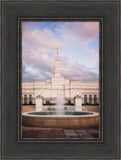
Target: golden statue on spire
[[57, 51]]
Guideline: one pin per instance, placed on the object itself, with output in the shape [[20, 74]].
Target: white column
[[39, 103], [98, 99], [83, 99], [78, 103], [87, 98], [32, 98], [92, 98]]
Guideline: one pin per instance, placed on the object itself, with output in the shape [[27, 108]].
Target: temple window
[[25, 99], [95, 99], [85, 99], [30, 99], [90, 99]]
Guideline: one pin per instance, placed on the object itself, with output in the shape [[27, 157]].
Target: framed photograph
[[60, 79], [60, 88]]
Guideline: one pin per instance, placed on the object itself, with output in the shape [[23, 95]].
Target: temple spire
[[57, 51], [57, 67]]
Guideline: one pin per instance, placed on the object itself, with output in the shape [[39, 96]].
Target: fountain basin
[[69, 120]]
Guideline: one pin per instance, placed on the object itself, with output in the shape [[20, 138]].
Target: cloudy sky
[[78, 44]]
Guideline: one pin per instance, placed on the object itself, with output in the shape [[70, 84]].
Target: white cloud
[[41, 39], [39, 53], [77, 32]]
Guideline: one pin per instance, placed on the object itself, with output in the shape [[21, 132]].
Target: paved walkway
[[32, 132]]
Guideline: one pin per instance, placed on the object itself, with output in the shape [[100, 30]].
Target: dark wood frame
[[11, 89]]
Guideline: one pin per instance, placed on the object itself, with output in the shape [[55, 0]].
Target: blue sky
[[78, 44]]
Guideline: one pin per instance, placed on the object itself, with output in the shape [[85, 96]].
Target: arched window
[[25, 99], [30, 99], [90, 99], [95, 99], [85, 99], [47, 101]]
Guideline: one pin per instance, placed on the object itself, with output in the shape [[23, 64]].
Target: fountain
[[59, 118], [60, 102], [68, 120]]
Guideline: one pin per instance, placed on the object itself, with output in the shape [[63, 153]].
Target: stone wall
[[28, 108]]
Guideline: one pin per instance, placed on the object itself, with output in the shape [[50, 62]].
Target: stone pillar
[[98, 99], [39, 103], [92, 98], [87, 98], [22, 99], [78, 103]]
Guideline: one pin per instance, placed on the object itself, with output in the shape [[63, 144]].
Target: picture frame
[[11, 144]]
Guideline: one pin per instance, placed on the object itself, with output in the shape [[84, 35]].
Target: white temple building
[[85, 92]]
